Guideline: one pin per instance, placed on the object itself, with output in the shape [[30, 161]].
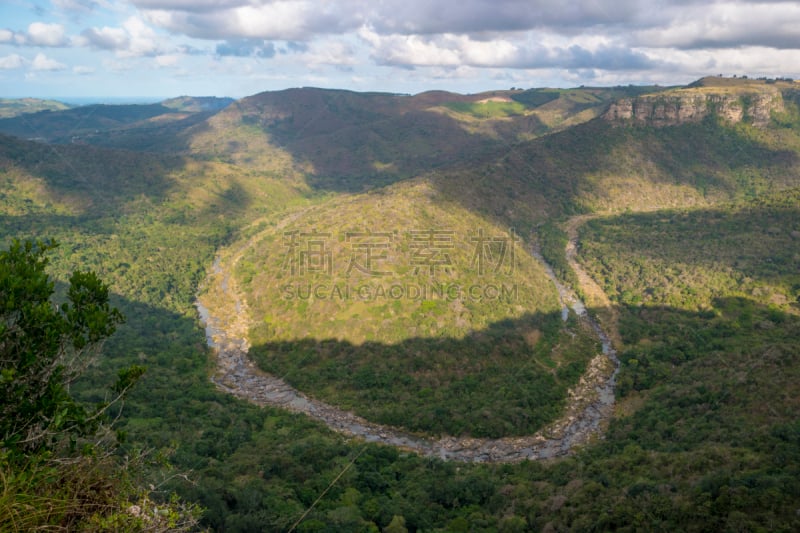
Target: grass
[[489, 109], [435, 346], [13, 107]]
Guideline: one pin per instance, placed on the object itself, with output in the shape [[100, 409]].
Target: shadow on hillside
[[557, 174], [174, 402], [709, 395], [359, 141], [70, 124], [354, 141], [753, 248], [92, 180], [510, 378]]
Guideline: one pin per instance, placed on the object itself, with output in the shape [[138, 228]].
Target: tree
[[45, 346]]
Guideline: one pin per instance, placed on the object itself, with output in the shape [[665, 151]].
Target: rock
[[685, 106]]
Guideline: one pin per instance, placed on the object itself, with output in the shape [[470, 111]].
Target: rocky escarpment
[[687, 105]]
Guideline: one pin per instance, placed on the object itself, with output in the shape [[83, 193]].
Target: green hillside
[[408, 303], [140, 127], [600, 166], [13, 107], [348, 142]]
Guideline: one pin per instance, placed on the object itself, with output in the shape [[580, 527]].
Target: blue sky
[[161, 48]]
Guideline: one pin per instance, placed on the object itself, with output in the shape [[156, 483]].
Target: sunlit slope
[[405, 238], [148, 223], [613, 166], [411, 311], [13, 107]]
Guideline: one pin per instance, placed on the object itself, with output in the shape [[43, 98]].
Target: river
[[589, 405]]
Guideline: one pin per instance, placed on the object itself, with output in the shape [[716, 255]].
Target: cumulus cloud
[[107, 38], [520, 34], [42, 34], [42, 63], [280, 20], [727, 25], [133, 39], [37, 34], [275, 19], [11, 62], [476, 16], [461, 50], [329, 52], [601, 40]]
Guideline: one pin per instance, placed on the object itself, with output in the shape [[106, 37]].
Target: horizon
[[79, 100], [242, 47]]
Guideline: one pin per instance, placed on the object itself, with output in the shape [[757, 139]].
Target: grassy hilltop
[[410, 310]]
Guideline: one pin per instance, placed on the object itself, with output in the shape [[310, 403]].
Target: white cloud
[[282, 19], [727, 25], [167, 60], [43, 34], [107, 38], [41, 62], [604, 35], [133, 39], [528, 50], [452, 41], [143, 40], [83, 70], [11, 62], [328, 52]]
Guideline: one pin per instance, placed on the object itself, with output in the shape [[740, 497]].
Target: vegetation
[[409, 311], [702, 270], [12, 107], [489, 108], [55, 455], [687, 260]]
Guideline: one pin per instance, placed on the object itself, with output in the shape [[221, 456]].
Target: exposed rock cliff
[[689, 105]]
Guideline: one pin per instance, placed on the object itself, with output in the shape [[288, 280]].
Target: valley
[[607, 341]]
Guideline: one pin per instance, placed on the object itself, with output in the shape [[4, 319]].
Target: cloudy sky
[[159, 48]]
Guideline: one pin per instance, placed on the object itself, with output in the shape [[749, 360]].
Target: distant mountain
[[350, 141], [144, 127], [196, 104], [13, 107]]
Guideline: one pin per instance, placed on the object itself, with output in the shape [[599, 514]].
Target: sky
[[163, 48]]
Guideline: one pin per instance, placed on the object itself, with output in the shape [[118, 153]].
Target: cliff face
[[681, 106]]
